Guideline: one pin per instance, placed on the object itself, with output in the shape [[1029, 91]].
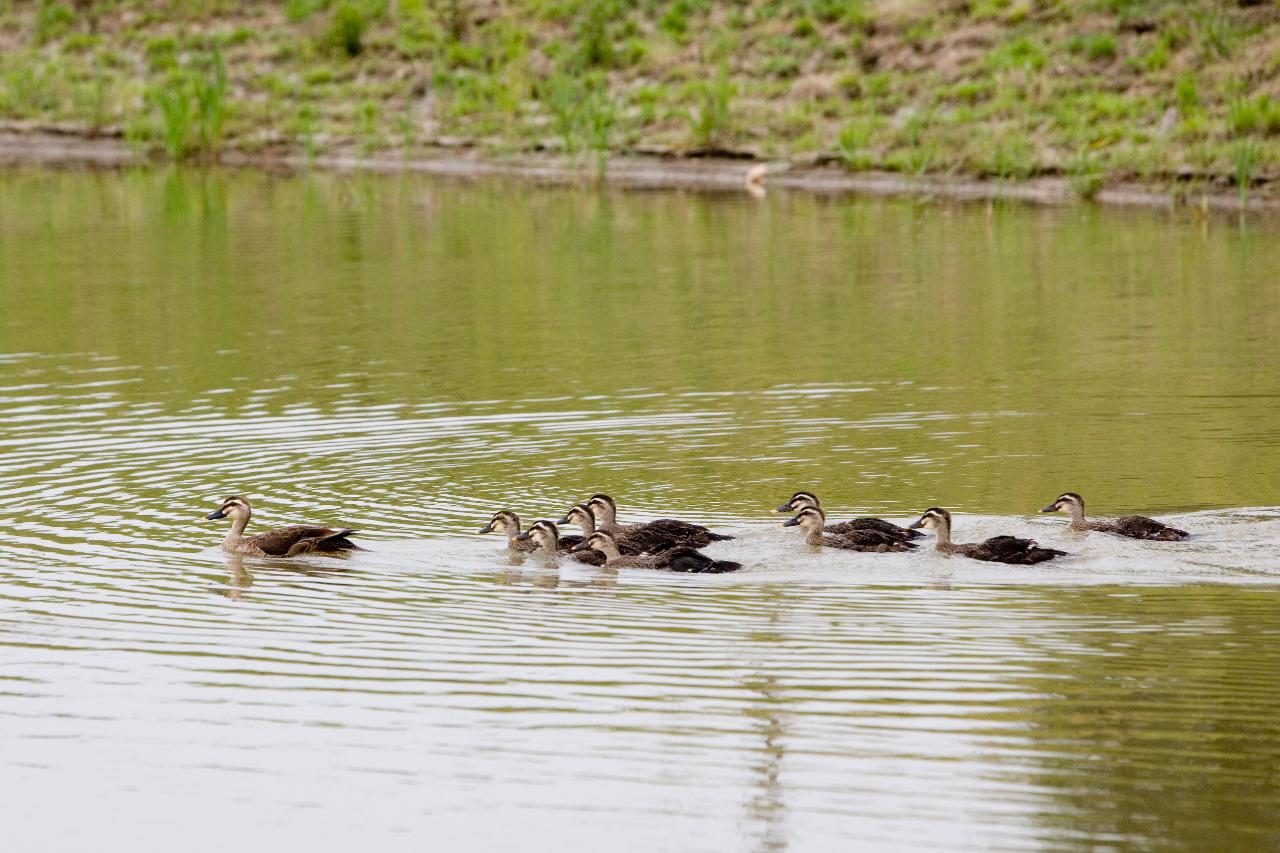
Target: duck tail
[[338, 541], [1171, 534], [718, 537], [722, 566]]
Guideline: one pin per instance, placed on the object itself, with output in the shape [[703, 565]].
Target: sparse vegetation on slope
[[1183, 93]]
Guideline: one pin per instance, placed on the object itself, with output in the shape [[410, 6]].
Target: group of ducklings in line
[[672, 545]]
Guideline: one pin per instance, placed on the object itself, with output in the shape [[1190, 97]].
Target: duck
[[801, 500], [651, 537], [291, 541], [1133, 526], [813, 522], [997, 549], [506, 521], [544, 537], [677, 559]]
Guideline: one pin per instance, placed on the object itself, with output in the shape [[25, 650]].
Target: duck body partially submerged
[[677, 559], [650, 537], [997, 549], [813, 522], [293, 540], [807, 500], [1131, 526]]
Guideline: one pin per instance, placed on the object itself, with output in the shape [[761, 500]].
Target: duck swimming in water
[[802, 500], [1133, 526], [678, 559], [997, 549], [650, 537], [812, 521], [292, 541]]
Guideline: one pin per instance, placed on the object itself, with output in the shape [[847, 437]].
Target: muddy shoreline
[[64, 147]]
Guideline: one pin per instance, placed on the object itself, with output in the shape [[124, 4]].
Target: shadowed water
[[406, 357]]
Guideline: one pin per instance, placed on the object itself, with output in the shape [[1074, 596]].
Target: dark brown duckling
[[801, 500], [1133, 526], [812, 521], [651, 537], [678, 559], [292, 541], [997, 549]]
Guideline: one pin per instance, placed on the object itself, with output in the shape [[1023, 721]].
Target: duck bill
[[488, 528], [523, 537], [564, 520], [217, 513], [786, 507], [916, 525], [1050, 508], [791, 522], [581, 546]]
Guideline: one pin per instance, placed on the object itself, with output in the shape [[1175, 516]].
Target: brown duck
[[650, 537], [1133, 526], [292, 541], [812, 521], [678, 559], [997, 549], [801, 500]]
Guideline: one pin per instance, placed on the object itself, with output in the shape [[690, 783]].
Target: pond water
[[407, 356]]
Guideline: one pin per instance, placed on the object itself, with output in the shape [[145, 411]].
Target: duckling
[[544, 536], [651, 537], [800, 500], [1133, 526], [506, 521], [678, 559], [997, 549], [812, 521], [292, 541]]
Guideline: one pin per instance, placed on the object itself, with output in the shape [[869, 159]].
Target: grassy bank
[[1180, 94]]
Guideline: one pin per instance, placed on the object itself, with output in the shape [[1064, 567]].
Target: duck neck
[[813, 537], [607, 520], [942, 533], [610, 551], [238, 524], [549, 547], [587, 523], [1077, 517]]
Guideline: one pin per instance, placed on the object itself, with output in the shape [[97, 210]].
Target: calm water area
[[407, 356]]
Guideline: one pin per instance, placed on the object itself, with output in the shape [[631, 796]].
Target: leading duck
[[1133, 526], [292, 541], [997, 549]]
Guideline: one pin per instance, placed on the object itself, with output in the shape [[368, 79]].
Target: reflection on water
[[405, 357]]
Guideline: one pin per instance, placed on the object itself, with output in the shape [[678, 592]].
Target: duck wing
[[693, 535], [866, 539], [1141, 527], [591, 557], [299, 539], [1011, 549], [901, 534], [688, 560]]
